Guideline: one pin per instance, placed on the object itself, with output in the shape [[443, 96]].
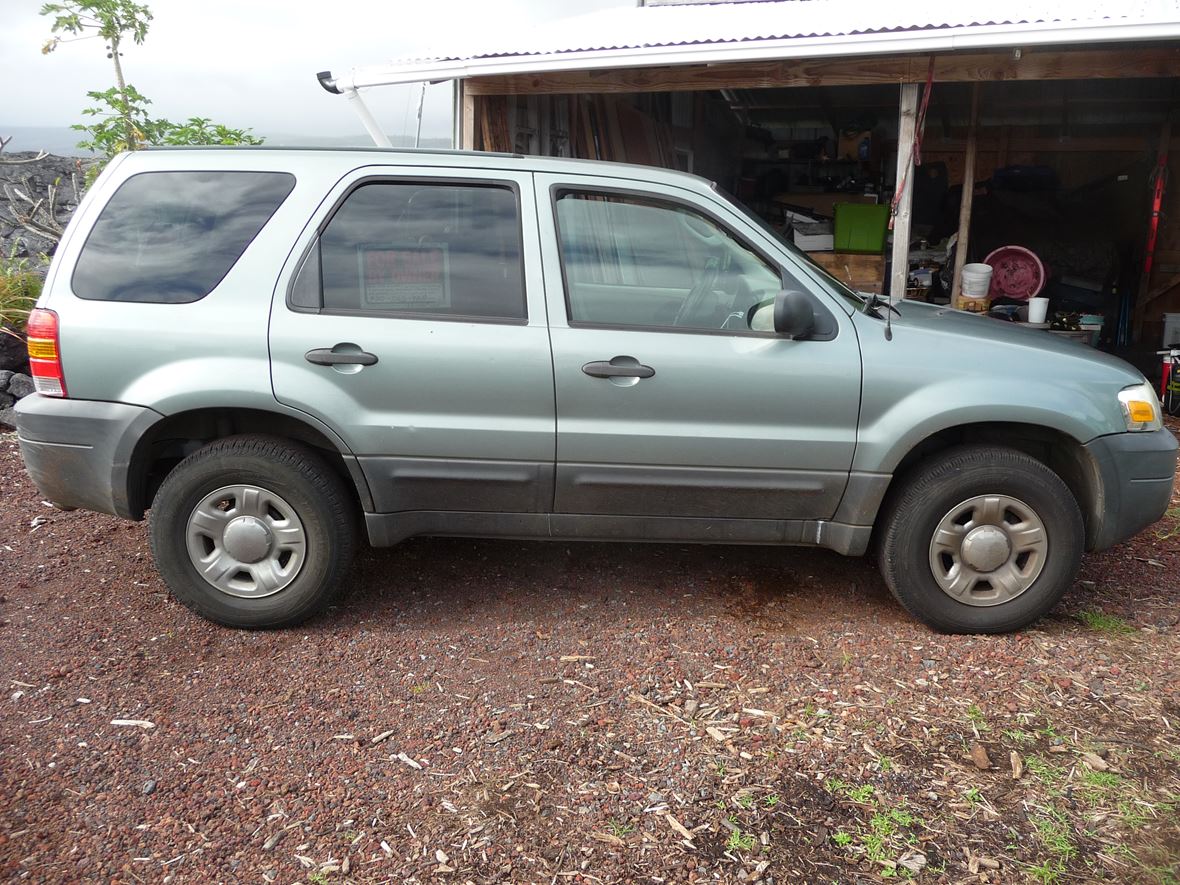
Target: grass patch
[[1172, 529], [885, 836], [1050, 775], [1018, 737], [1132, 814], [1053, 831], [1103, 623]]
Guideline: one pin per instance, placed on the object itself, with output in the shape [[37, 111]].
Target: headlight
[[1141, 408]]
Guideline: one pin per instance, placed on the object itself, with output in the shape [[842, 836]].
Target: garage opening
[[1066, 182]]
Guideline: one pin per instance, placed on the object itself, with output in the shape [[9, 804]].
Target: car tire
[[253, 532], [980, 539]]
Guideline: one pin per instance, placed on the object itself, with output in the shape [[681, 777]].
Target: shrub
[[20, 286]]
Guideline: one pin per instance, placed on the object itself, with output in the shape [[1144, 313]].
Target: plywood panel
[[864, 273]]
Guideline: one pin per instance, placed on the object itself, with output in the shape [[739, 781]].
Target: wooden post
[[907, 121], [968, 197], [467, 120]]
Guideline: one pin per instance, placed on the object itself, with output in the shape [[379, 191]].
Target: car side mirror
[[789, 314]]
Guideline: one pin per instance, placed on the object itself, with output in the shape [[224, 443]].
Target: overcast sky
[[251, 63]]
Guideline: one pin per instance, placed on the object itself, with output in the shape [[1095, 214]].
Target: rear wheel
[[251, 531], [981, 539]]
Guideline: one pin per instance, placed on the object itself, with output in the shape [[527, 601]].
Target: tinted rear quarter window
[[171, 237]]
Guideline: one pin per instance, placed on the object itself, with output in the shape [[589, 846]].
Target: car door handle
[[324, 356], [616, 368]]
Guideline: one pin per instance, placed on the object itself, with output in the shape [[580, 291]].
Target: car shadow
[[428, 581]]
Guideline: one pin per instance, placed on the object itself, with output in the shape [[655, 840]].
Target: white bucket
[[1038, 309], [976, 280]]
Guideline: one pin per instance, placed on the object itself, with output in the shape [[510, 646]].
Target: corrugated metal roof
[[714, 33], [710, 23]]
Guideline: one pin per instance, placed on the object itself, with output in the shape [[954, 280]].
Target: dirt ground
[[479, 711]]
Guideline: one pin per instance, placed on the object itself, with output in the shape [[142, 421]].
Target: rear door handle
[[324, 356], [619, 367]]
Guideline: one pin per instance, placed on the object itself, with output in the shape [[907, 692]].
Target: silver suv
[[271, 348]]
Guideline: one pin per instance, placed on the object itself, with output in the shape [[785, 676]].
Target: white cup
[[1038, 309]]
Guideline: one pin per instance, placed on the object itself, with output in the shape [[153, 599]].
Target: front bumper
[[78, 452], [1136, 472]]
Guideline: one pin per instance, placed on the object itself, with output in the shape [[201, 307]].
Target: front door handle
[[619, 367], [324, 356]]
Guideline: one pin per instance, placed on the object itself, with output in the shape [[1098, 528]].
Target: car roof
[[336, 157]]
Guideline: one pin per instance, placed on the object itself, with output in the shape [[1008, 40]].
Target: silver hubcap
[[988, 550], [246, 541]]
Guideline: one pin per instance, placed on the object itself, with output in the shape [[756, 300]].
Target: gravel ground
[[509, 712]]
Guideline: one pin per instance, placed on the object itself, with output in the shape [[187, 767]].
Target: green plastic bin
[[860, 227]]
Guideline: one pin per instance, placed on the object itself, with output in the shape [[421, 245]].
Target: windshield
[[856, 300]]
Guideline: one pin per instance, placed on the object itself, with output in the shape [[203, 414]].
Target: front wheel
[[253, 532], [981, 539]]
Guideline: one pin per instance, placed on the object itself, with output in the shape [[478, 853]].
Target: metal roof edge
[[894, 42]]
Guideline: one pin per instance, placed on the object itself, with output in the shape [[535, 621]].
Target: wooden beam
[[467, 120], [1085, 64], [968, 198], [907, 124]]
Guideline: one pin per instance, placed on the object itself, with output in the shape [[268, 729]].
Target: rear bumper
[[1135, 472], [78, 452]]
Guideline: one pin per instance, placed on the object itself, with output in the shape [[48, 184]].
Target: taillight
[[45, 353]]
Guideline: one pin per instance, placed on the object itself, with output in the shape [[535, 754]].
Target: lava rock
[[5, 374], [6, 400], [8, 419], [20, 385], [14, 354]]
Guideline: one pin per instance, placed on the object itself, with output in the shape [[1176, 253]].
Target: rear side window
[[171, 237], [419, 249]]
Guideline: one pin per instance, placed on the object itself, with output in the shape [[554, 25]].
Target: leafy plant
[[739, 841], [121, 115], [862, 794], [20, 287], [976, 716], [620, 829]]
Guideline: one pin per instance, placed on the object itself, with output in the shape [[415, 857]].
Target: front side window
[[171, 237], [419, 249], [635, 261]]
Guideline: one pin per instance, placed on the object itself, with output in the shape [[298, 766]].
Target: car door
[[412, 322], [668, 403]]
